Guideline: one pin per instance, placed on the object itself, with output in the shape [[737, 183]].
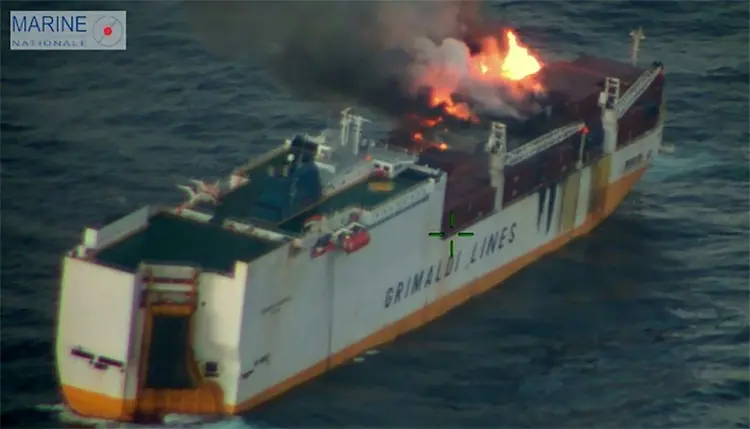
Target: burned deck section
[[573, 90], [572, 98], [571, 93], [468, 193]]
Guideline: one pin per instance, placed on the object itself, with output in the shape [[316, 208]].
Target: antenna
[[498, 139], [346, 119], [637, 36], [358, 120]]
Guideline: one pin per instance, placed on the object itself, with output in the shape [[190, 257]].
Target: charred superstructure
[[198, 308], [565, 133]]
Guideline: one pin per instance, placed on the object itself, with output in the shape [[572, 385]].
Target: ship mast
[[358, 120], [496, 146], [345, 123], [637, 36]]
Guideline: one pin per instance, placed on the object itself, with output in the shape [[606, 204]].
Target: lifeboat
[[324, 245], [353, 238]]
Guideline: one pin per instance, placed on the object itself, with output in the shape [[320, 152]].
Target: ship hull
[[286, 317]]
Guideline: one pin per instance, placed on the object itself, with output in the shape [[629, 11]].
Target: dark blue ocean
[[642, 324]]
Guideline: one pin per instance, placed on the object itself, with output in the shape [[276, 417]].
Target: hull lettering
[[425, 278]]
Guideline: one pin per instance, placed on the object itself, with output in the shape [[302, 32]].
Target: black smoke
[[355, 51]]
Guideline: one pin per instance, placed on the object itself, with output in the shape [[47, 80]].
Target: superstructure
[[321, 249]]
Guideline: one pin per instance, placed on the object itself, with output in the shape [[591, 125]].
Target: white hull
[[287, 317]]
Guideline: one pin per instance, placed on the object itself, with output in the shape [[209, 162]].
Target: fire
[[419, 138], [490, 67], [430, 123], [516, 64], [442, 97]]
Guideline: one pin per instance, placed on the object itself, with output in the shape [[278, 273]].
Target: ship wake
[[66, 417]]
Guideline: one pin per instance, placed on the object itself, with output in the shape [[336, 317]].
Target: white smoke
[[445, 65], [489, 101]]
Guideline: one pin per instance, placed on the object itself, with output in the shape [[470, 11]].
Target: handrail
[[636, 90], [542, 143], [261, 160]]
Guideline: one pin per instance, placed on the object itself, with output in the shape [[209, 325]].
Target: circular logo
[[108, 31]]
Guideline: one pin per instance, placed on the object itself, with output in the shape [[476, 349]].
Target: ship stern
[[130, 345], [96, 364]]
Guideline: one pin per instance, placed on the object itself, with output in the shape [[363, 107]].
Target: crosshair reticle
[[451, 225]]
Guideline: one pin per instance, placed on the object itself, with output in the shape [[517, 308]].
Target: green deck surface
[[176, 240], [359, 195], [237, 205], [171, 239]]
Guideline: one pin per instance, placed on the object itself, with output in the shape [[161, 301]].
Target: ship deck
[[360, 195], [238, 205], [172, 239], [235, 204], [177, 240]]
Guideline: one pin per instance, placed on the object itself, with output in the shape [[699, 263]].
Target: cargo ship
[[333, 244]]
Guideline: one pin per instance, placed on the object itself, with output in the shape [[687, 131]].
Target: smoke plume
[[377, 54]]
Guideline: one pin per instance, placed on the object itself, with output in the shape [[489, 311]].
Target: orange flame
[[490, 66], [516, 64], [513, 69], [442, 96], [431, 122]]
